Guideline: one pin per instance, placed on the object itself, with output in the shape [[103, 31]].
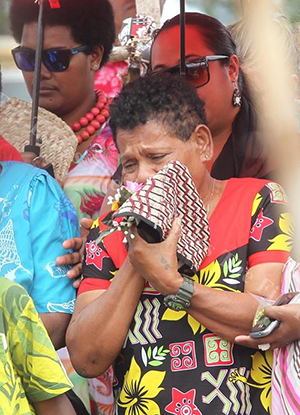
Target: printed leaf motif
[[232, 267], [144, 357], [211, 275], [234, 275], [231, 281], [225, 269], [154, 357], [155, 363], [235, 261]]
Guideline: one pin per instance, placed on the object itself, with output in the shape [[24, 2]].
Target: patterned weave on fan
[[168, 194]]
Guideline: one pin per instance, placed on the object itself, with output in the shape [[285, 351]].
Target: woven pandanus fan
[[168, 194]]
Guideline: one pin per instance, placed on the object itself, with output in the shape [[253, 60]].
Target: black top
[[243, 155]]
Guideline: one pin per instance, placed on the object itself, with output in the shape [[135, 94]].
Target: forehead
[[54, 36], [148, 137], [166, 47]]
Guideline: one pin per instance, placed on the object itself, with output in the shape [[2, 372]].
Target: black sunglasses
[[197, 72], [55, 60]]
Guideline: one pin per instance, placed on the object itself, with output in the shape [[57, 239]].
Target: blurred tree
[[4, 23], [292, 9]]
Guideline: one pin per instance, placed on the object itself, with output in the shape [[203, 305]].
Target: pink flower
[[133, 186]]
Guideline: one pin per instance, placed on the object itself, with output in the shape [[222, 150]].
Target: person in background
[[32, 379], [213, 68], [109, 77], [8, 152], [35, 219], [165, 360], [72, 54]]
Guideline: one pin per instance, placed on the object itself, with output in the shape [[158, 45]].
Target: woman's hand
[[157, 263], [286, 333], [76, 257]]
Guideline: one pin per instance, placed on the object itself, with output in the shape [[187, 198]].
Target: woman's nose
[[143, 174], [45, 73]]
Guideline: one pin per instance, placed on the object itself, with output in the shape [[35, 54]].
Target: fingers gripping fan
[[168, 194]]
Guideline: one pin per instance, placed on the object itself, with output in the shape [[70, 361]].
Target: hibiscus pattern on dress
[[138, 391]]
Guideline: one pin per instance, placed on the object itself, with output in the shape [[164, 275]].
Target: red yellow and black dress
[[170, 363]]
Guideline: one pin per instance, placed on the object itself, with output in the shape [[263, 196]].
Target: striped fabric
[[286, 366]]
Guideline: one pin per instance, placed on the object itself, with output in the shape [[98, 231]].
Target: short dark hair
[[91, 21], [215, 34], [164, 98]]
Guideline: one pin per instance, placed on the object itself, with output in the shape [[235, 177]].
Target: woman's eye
[[157, 156], [128, 166]]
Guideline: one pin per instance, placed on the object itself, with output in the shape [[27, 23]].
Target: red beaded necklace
[[93, 119]]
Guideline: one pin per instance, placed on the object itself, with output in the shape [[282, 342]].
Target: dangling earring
[[237, 97]]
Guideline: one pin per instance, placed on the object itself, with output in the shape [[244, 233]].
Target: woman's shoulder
[[21, 170], [245, 191], [251, 185]]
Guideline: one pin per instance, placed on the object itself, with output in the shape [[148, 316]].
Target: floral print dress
[[88, 180], [170, 363]]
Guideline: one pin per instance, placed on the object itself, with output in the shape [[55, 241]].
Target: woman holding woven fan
[[172, 339], [78, 38]]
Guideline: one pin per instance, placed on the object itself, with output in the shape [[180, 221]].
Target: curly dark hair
[[164, 98], [91, 21]]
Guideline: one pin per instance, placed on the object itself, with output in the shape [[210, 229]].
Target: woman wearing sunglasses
[[78, 38], [213, 68]]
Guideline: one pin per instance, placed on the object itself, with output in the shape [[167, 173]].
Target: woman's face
[[60, 92], [148, 148], [217, 94]]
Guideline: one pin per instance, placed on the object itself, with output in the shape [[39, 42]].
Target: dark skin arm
[[56, 325], [101, 321], [75, 258], [60, 405], [215, 309]]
